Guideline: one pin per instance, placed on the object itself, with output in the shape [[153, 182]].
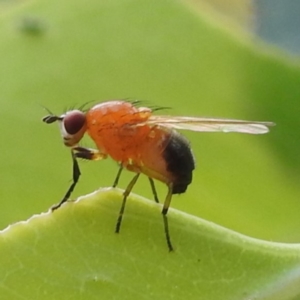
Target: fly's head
[[72, 126]]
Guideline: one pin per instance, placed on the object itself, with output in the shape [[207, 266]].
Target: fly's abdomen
[[179, 162]]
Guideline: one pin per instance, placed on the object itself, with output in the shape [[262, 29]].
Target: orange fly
[[142, 143]]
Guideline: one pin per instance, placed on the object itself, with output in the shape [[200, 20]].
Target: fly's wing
[[210, 124]]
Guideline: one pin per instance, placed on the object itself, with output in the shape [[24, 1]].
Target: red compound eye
[[74, 121]]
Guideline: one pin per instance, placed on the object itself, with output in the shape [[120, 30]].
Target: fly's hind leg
[[165, 217], [164, 210], [126, 194]]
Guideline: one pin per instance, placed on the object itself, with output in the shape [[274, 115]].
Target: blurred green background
[[169, 53]]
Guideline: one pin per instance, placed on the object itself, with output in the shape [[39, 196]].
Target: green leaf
[[74, 253]]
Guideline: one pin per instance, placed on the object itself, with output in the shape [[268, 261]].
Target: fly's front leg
[[79, 152], [88, 153], [76, 175]]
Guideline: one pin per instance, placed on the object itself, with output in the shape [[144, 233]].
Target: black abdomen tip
[[180, 161]]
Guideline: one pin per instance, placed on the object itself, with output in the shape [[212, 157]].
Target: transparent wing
[[210, 124]]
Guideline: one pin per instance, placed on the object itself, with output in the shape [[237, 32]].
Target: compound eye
[[74, 121]]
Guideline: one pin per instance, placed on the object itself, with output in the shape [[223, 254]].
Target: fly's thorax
[[118, 113], [72, 127], [118, 128]]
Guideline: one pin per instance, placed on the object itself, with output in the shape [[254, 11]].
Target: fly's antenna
[[47, 109], [51, 118]]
